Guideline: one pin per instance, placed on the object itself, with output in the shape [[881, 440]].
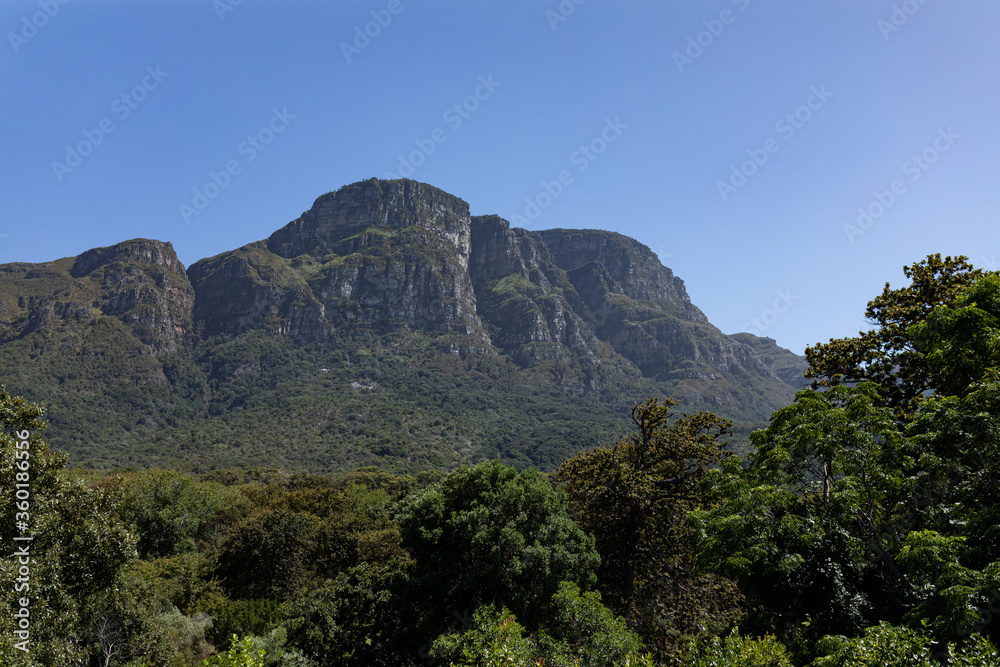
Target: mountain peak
[[391, 204], [142, 251], [140, 283]]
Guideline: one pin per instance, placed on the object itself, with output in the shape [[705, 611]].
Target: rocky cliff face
[[139, 282], [373, 203], [382, 256], [378, 257], [526, 297], [578, 294], [633, 269], [372, 257]]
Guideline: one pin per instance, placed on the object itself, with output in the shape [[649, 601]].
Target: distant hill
[[385, 326]]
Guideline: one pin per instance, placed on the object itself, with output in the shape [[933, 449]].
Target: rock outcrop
[[139, 282], [372, 257]]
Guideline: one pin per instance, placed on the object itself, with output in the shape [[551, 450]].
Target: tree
[[243, 618], [849, 515], [122, 624], [489, 535], [580, 630], [884, 644], [634, 497], [957, 440], [82, 603], [348, 620], [734, 650], [960, 340], [273, 553], [244, 653], [887, 645], [495, 639], [887, 354], [172, 512], [256, 651], [809, 529], [841, 439]]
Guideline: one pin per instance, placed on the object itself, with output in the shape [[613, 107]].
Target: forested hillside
[[860, 531]]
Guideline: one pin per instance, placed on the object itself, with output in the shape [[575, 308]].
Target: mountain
[[385, 326]]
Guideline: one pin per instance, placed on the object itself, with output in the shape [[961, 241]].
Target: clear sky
[[736, 138]]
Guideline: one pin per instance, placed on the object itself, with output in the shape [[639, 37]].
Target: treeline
[[863, 530]]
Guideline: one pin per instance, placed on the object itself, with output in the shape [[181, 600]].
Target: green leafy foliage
[[243, 618], [888, 354], [72, 575], [849, 515], [349, 620], [244, 653], [580, 630], [269, 650], [495, 639], [734, 650], [489, 535], [634, 497], [171, 512], [961, 339], [886, 645]]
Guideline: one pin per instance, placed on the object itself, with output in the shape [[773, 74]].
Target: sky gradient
[[785, 159]]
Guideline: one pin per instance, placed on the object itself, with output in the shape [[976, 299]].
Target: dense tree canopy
[[887, 354], [634, 497], [490, 535], [67, 585], [849, 516]]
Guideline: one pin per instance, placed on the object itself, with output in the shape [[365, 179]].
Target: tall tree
[[634, 497], [849, 515], [80, 603], [489, 535], [809, 529], [887, 355], [960, 340]]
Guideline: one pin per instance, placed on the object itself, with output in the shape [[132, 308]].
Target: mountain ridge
[[398, 270]]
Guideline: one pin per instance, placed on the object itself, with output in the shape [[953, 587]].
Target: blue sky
[[736, 138]]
